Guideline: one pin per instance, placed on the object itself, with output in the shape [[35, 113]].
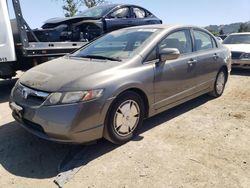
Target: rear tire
[[125, 117], [219, 84]]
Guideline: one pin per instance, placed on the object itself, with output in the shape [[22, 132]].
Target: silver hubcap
[[220, 84], [126, 118]]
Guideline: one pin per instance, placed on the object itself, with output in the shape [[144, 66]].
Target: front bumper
[[72, 123], [241, 63]]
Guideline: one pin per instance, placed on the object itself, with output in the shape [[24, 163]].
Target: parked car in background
[[94, 22], [108, 87], [239, 44], [223, 36]]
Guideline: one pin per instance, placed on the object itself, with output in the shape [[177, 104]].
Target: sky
[[195, 12]]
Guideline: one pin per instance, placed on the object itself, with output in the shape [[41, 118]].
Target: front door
[[174, 79]]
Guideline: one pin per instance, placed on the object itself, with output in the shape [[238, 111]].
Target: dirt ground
[[202, 143]]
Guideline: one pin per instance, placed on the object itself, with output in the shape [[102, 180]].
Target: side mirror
[[169, 54]]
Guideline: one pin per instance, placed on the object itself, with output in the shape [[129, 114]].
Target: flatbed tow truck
[[16, 52]]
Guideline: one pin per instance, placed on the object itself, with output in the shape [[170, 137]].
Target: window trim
[[163, 38], [214, 42], [211, 38], [178, 30], [145, 11], [145, 61], [117, 8]]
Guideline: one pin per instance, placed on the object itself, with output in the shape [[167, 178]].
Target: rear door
[[208, 57], [174, 80]]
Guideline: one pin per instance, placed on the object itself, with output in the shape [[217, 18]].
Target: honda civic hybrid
[[109, 86]]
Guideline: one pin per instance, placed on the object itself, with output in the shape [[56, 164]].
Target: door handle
[[215, 56], [192, 62]]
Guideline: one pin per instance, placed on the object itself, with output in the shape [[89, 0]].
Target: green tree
[[70, 8], [92, 3], [222, 32], [215, 33], [243, 28]]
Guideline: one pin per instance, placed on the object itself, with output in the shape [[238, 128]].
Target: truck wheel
[[6, 71], [125, 117]]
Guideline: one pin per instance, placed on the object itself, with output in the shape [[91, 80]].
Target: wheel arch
[[144, 97]]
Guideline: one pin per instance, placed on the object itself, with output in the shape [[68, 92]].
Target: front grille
[[28, 96], [236, 55]]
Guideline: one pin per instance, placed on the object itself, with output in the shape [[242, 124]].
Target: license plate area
[[18, 110]]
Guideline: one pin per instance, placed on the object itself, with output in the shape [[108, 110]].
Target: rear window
[[139, 13]]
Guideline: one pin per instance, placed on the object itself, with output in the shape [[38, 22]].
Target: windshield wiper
[[100, 57]]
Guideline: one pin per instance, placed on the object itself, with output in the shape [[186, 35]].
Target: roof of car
[[244, 33], [116, 5], [165, 26], [113, 5]]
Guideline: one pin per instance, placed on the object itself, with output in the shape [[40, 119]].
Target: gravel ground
[[202, 143]]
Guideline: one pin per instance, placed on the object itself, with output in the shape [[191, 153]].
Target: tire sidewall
[[215, 85]]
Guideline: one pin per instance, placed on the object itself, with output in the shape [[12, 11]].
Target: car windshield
[[118, 45], [237, 39], [96, 12]]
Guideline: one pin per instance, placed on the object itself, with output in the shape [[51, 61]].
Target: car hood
[[65, 74], [239, 47], [63, 20]]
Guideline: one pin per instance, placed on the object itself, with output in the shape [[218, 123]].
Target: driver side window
[[180, 40], [121, 13]]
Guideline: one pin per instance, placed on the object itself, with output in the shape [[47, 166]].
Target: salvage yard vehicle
[[94, 22], [108, 87], [22, 48], [17, 52], [239, 44]]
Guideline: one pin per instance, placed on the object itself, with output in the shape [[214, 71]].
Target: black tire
[[216, 91], [112, 132], [6, 71]]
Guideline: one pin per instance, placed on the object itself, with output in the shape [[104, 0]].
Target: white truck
[[16, 52]]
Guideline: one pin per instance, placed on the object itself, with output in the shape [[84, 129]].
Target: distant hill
[[229, 28]]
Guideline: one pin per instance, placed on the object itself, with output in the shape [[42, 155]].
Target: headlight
[[246, 56], [73, 97], [55, 98]]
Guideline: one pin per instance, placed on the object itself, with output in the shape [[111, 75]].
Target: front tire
[[219, 84], [125, 117]]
